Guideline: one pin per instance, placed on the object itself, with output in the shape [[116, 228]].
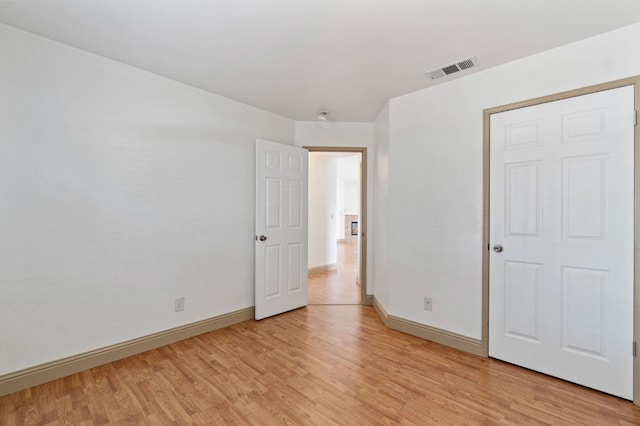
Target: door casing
[[632, 81], [364, 298]]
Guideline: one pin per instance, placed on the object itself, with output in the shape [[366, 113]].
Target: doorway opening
[[337, 226]]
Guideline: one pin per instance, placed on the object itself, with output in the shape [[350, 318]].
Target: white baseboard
[[323, 268], [434, 334], [53, 370]]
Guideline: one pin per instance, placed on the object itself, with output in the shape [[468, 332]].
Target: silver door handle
[[498, 248], [263, 238]]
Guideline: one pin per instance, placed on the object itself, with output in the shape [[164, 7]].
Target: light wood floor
[[319, 365], [337, 287]]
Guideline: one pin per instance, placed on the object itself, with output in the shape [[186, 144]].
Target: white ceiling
[[296, 57]]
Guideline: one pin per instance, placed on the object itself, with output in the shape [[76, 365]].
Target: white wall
[[349, 173], [121, 190], [322, 209], [381, 224], [348, 195], [351, 198], [340, 209], [435, 173], [311, 133]]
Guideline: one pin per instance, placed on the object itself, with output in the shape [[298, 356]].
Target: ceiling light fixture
[[322, 116]]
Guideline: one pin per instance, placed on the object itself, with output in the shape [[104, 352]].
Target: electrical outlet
[[428, 304], [179, 304]]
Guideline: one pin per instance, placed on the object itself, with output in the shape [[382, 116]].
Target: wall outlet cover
[[179, 304], [428, 304]]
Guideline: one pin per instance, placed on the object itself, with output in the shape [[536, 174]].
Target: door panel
[[522, 199], [281, 221], [522, 293], [583, 308], [561, 205], [584, 197]]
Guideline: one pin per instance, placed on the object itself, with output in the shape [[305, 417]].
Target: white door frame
[[633, 81], [365, 299]]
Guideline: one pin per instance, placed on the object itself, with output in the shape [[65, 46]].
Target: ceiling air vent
[[453, 68]]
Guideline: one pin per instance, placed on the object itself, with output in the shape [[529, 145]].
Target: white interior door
[[562, 206], [281, 228]]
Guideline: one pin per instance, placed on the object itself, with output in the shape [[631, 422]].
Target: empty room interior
[[293, 212]]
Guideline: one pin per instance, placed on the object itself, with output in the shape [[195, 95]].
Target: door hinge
[[634, 349], [635, 118]]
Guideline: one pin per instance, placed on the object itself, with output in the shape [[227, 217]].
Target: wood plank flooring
[[319, 365], [337, 287]]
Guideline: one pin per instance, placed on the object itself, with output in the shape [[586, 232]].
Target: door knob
[[263, 238], [498, 248]]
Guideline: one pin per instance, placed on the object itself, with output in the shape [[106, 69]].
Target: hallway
[[337, 287]]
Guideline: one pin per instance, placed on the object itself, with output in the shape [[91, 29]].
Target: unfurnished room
[[319, 212]]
